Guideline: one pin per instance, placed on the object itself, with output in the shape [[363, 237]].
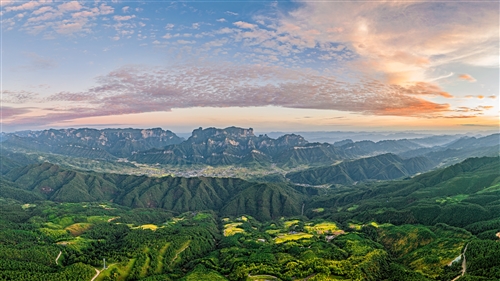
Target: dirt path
[[180, 251], [112, 219], [464, 264], [58, 256], [97, 272]]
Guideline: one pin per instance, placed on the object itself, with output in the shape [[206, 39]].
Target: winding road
[[58, 256], [464, 264], [97, 272]]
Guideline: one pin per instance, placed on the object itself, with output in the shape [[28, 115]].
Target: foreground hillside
[[228, 195], [59, 224]]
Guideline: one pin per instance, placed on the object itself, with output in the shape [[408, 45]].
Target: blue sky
[[271, 65]]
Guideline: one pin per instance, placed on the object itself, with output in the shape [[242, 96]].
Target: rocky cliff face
[[227, 146], [92, 143]]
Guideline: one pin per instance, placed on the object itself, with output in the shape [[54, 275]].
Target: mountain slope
[[381, 167], [458, 195], [51, 182]]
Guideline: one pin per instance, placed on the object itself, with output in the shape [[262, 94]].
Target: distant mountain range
[[239, 146], [92, 143]]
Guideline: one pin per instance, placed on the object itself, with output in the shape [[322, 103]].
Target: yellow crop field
[[231, 229], [324, 227], [290, 223], [149, 226], [292, 237]]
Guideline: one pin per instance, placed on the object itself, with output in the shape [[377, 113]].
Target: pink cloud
[[246, 25], [467, 77], [70, 6], [137, 89], [9, 112], [26, 6]]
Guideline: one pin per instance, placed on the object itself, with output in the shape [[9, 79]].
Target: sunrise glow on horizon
[[269, 65]]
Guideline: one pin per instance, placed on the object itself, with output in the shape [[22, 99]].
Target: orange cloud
[[467, 77], [417, 107], [424, 88]]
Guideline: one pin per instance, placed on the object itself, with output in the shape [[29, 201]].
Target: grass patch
[[453, 199], [290, 223], [292, 237], [78, 228], [324, 227], [95, 219], [145, 267], [262, 278], [319, 210], [161, 257], [56, 234], [231, 229], [76, 243], [201, 216], [121, 271], [27, 206], [492, 188]]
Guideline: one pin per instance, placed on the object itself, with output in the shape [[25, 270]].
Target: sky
[[269, 65]]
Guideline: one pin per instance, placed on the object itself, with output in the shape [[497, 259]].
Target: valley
[[362, 216]]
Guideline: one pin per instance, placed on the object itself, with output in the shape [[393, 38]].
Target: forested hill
[[380, 167], [92, 143], [459, 195], [228, 195]]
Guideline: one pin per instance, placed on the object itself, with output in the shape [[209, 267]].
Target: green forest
[[428, 227]]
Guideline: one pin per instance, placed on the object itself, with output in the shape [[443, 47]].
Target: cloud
[[25, 6], [221, 20], [231, 13], [70, 6], [400, 42], [467, 77], [123, 18], [246, 25], [18, 97], [9, 112], [185, 42], [43, 10], [137, 89], [63, 18]]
